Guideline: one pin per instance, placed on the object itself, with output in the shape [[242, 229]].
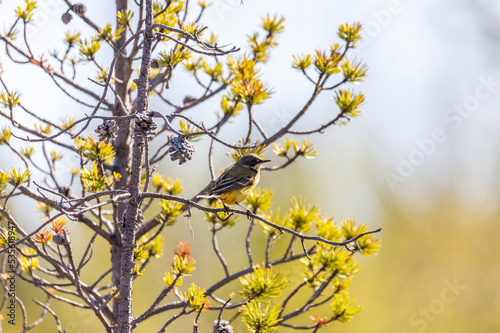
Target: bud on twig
[[188, 99]]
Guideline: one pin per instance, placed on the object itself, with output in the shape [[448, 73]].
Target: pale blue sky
[[424, 58]]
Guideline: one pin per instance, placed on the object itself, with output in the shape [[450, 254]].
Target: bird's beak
[[265, 161]]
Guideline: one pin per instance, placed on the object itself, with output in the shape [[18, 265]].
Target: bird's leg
[[226, 211], [248, 210], [225, 208]]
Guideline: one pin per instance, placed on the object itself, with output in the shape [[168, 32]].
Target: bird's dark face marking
[[251, 160]]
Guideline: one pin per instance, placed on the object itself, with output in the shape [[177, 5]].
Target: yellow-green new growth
[[28, 261], [326, 62], [236, 154], [230, 106], [27, 151], [196, 298], [353, 72], [55, 156], [9, 99], [169, 210], [166, 184], [172, 187], [349, 102], [172, 281], [301, 148], [44, 208], [93, 180], [141, 253], [351, 33], [99, 151], [5, 136], [26, 14], [262, 283], [247, 87], [167, 16], [275, 217], [188, 128], [215, 72], [301, 62], [173, 57], [194, 64], [71, 39], [168, 19], [369, 244], [301, 215], [182, 265], [66, 121], [107, 33], [43, 129], [4, 180], [327, 228], [328, 264], [7, 236], [154, 246], [124, 17], [102, 75], [19, 177], [259, 200], [203, 4], [259, 319], [260, 48], [342, 309], [88, 48]]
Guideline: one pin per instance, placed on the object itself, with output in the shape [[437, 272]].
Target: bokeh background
[[422, 162]]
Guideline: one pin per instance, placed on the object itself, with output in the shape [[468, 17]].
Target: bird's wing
[[227, 183]]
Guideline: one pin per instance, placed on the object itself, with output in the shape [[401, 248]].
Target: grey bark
[[122, 147], [133, 207]]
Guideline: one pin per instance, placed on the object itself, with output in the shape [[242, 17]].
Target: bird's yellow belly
[[236, 196]]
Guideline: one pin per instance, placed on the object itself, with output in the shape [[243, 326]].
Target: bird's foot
[[248, 210]]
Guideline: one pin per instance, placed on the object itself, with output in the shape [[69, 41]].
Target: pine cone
[[59, 239], [146, 123], [180, 149], [222, 327], [66, 17], [79, 8], [107, 130]]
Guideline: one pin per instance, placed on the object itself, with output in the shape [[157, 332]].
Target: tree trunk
[[133, 207], [122, 147]]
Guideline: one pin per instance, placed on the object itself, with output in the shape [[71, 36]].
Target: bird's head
[[251, 161]]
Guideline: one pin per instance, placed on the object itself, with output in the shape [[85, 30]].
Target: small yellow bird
[[237, 181]]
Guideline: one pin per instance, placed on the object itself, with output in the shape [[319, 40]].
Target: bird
[[237, 181]]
